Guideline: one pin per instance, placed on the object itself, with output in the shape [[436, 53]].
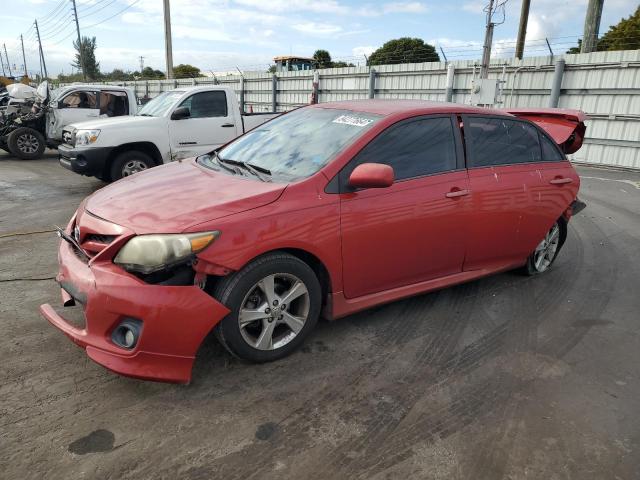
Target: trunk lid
[[566, 127]]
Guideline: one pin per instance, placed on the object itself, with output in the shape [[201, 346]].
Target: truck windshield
[[158, 106], [300, 143]]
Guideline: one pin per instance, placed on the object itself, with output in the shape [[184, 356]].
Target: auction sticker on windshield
[[353, 120]]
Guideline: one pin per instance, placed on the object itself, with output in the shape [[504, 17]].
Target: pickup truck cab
[[177, 124]]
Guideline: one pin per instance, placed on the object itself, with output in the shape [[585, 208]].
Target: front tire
[[275, 303], [547, 250], [129, 163], [26, 143]]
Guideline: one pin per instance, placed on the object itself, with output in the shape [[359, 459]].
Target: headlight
[[86, 137], [150, 253]]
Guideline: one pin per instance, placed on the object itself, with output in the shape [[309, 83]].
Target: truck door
[[211, 123], [76, 106]]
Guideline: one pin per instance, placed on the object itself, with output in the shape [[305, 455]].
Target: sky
[[218, 35]]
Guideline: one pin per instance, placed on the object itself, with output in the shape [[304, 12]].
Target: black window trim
[[469, 152], [226, 103], [335, 186]]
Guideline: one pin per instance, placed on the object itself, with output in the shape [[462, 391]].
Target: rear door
[[414, 230], [505, 177], [211, 123]]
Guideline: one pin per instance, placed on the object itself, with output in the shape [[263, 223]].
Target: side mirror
[[61, 104], [180, 113], [371, 175]]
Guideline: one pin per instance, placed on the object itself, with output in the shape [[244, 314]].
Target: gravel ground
[[505, 377]]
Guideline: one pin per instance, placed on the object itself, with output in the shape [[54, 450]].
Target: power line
[[114, 15], [98, 10]]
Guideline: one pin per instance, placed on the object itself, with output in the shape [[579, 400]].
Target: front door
[[76, 106], [414, 230], [211, 123]]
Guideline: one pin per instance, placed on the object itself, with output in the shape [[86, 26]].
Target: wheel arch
[[149, 148]]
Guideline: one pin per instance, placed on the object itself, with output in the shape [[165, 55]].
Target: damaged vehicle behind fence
[[324, 211], [33, 119]]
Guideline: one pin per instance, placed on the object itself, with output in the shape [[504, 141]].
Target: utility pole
[[591, 26], [80, 49], [167, 39], [24, 60], [522, 29], [4, 74], [141, 63], [488, 40], [44, 65], [7, 57]]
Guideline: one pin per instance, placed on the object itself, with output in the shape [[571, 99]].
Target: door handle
[[225, 125], [560, 181], [454, 193]]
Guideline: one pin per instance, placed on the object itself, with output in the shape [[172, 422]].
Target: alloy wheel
[[274, 311], [28, 143], [133, 166], [546, 249]]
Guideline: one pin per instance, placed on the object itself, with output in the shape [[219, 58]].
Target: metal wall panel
[[606, 85]]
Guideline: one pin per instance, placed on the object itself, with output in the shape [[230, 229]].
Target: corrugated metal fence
[[606, 85]]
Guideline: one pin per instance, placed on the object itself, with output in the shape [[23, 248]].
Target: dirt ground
[[507, 377]]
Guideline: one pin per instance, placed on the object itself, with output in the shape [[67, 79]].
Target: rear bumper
[[175, 319], [87, 161], [577, 206]]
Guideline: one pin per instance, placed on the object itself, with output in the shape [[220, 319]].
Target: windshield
[[158, 106], [300, 143]]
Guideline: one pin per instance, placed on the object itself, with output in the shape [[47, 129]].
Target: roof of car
[[395, 106]]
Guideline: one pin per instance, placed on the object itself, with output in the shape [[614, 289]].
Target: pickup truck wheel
[[275, 302], [128, 163], [26, 143]]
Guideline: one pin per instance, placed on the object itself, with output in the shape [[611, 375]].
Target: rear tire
[[129, 163], [26, 143], [275, 303], [547, 250]]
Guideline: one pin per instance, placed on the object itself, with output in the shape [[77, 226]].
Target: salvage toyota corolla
[[326, 210]]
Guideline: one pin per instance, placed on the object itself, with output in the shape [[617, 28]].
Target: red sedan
[[325, 210]]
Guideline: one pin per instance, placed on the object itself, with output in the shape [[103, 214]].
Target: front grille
[[100, 238]]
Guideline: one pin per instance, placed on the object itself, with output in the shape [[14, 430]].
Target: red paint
[[371, 175], [377, 244]]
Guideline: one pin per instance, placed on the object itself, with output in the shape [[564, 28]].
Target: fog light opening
[[126, 334]]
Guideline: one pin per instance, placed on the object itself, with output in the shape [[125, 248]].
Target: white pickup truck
[[176, 124]]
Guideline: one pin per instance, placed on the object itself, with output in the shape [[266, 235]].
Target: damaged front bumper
[[174, 319]]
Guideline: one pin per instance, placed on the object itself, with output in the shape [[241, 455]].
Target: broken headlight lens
[[86, 137], [151, 253]]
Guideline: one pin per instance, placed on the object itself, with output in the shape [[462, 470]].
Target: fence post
[[315, 86], [451, 71], [372, 83], [274, 93], [194, 82], [242, 94], [556, 84]]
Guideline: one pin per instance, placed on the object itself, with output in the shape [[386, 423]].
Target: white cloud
[[363, 50], [404, 7], [314, 28], [288, 6]]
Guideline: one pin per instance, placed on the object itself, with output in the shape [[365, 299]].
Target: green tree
[[271, 69], [149, 73], [322, 59], [91, 67], [623, 36], [341, 64], [404, 50], [186, 71], [118, 75]]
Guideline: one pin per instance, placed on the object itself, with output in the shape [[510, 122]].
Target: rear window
[[550, 150], [500, 141]]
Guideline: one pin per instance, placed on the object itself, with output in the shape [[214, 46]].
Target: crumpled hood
[[173, 197]]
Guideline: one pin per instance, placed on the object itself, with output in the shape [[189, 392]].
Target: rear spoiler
[[566, 127]]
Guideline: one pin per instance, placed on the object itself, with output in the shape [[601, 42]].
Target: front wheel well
[[146, 147], [310, 259]]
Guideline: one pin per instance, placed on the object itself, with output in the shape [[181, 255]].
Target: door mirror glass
[[180, 113], [371, 175]]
